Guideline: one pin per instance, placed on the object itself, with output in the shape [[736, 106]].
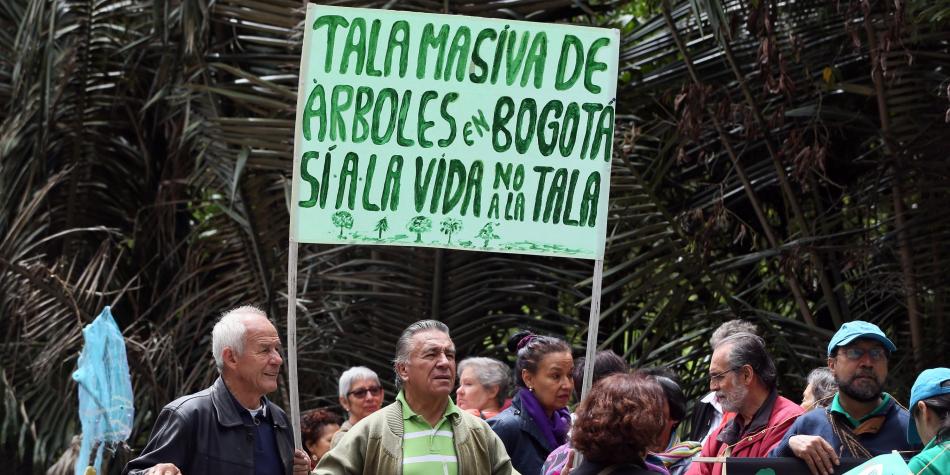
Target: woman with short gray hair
[[483, 386], [360, 394]]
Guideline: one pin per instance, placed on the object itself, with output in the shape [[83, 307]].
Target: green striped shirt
[[428, 450]]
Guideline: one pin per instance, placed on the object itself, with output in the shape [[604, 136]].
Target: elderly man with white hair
[[230, 427]]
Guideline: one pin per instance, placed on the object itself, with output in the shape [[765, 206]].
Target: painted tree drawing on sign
[[342, 220], [487, 233], [381, 227], [419, 225], [451, 226]]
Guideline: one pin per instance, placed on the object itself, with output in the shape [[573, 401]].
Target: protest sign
[[453, 132], [887, 464], [780, 466]]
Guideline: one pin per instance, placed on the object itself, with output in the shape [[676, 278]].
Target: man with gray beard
[[862, 421], [742, 375], [707, 412]]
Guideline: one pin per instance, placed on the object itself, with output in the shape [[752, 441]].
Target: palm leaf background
[[776, 161]]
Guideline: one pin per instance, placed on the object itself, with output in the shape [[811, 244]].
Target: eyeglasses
[[361, 393], [855, 354], [722, 374]]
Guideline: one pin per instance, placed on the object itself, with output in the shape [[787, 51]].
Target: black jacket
[[700, 424], [523, 440], [205, 433]]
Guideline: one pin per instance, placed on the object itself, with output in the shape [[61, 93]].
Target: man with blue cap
[[930, 408], [862, 421]]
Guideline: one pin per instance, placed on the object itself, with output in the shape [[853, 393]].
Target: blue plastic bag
[[105, 390]]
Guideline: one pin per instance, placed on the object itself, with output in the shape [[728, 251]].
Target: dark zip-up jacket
[[207, 433], [523, 440]]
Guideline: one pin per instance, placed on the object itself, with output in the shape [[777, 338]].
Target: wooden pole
[[593, 327], [293, 248], [292, 341]]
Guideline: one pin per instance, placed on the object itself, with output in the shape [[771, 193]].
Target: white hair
[[229, 332], [731, 328], [353, 374]]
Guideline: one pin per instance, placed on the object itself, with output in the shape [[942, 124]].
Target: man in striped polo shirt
[[422, 432]]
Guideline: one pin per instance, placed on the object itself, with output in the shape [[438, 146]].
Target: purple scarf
[[553, 428]]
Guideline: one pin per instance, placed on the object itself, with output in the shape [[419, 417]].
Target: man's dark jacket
[[207, 433]]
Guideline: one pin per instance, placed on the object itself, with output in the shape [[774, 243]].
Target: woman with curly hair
[[606, 363], [317, 427], [617, 424]]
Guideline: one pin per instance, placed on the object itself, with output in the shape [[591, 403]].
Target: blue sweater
[[891, 436]]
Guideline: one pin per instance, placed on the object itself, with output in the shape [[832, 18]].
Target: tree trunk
[[903, 246]]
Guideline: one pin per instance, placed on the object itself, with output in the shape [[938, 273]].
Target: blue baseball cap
[[929, 384], [859, 329]]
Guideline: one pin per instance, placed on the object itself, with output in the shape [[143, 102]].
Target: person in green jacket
[[930, 411], [423, 432]]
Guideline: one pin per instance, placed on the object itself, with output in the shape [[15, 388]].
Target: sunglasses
[[855, 354], [715, 377], [361, 393]]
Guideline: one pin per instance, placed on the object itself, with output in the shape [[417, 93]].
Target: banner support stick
[[292, 341], [593, 326]]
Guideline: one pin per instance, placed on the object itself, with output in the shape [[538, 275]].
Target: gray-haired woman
[[483, 386], [360, 394], [820, 389]]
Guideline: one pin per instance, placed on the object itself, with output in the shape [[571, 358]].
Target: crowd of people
[[627, 424]]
